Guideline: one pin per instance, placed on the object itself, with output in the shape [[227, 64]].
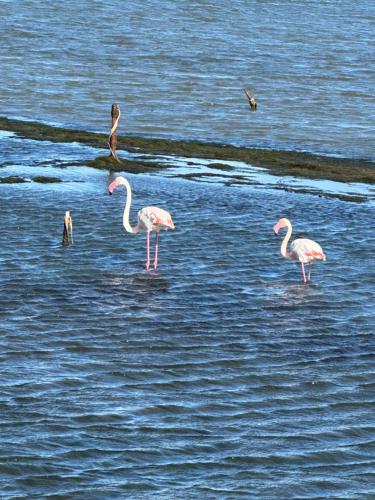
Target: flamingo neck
[[125, 217], [284, 244]]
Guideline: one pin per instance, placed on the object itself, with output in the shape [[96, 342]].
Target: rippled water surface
[[219, 376], [178, 69]]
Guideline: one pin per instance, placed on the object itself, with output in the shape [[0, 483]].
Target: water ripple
[[217, 376]]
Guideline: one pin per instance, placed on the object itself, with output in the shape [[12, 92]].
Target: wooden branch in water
[[112, 140], [67, 238], [252, 101]]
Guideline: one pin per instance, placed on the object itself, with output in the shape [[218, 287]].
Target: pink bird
[[149, 219], [303, 250]]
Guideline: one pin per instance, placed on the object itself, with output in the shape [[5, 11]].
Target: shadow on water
[[139, 294], [139, 290], [141, 281], [291, 293]]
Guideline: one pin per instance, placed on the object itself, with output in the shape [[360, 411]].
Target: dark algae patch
[[354, 198], [131, 166], [16, 179], [42, 179], [220, 166], [291, 163], [12, 179]]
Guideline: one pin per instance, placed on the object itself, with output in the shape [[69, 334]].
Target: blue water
[[221, 375], [178, 69]]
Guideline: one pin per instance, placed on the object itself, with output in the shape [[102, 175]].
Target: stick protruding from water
[[112, 139], [67, 238], [250, 98]]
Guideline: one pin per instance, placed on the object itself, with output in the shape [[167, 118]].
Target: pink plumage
[[302, 250], [306, 250], [149, 219], [154, 219]]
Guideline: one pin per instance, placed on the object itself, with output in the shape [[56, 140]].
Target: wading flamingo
[[149, 219], [303, 250]]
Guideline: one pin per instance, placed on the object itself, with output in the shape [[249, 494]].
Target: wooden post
[[112, 140], [67, 238], [252, 101]]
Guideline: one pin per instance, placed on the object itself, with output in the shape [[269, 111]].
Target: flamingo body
[[154, 219], [305, 250], [149, 219], [302, 250]]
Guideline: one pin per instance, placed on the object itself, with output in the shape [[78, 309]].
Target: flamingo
[[149, 219], [302, 249]]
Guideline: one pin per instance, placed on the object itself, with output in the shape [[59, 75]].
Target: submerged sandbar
[[278, 162]]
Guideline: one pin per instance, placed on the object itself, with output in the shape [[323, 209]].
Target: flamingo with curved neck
[[302, 249], [149, 219]]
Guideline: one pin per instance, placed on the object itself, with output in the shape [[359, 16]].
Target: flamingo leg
[[156, 250], [303, 272], [309, 273], [148, 250]]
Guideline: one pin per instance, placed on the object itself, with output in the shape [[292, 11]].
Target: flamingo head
[[280, 224], [119, 180]]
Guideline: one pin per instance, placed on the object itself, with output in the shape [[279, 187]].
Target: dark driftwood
[[67, 238], [252, 101], [112, 140]]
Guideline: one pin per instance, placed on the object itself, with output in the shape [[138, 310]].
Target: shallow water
[[220, 376], [178, 69]]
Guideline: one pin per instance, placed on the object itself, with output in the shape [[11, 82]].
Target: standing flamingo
[[149, 219], [301, 249]]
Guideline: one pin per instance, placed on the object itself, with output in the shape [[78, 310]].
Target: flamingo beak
[[112, 186], [277, 227]]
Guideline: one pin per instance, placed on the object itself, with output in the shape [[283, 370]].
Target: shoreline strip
[[281, 163]]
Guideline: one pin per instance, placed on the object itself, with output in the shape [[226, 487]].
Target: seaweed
[[221, 166], [45, 180], [278, 162], [122, 165], [12, 179]]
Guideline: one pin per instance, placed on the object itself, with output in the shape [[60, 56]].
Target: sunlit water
[[178, 69], [219, 376]]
